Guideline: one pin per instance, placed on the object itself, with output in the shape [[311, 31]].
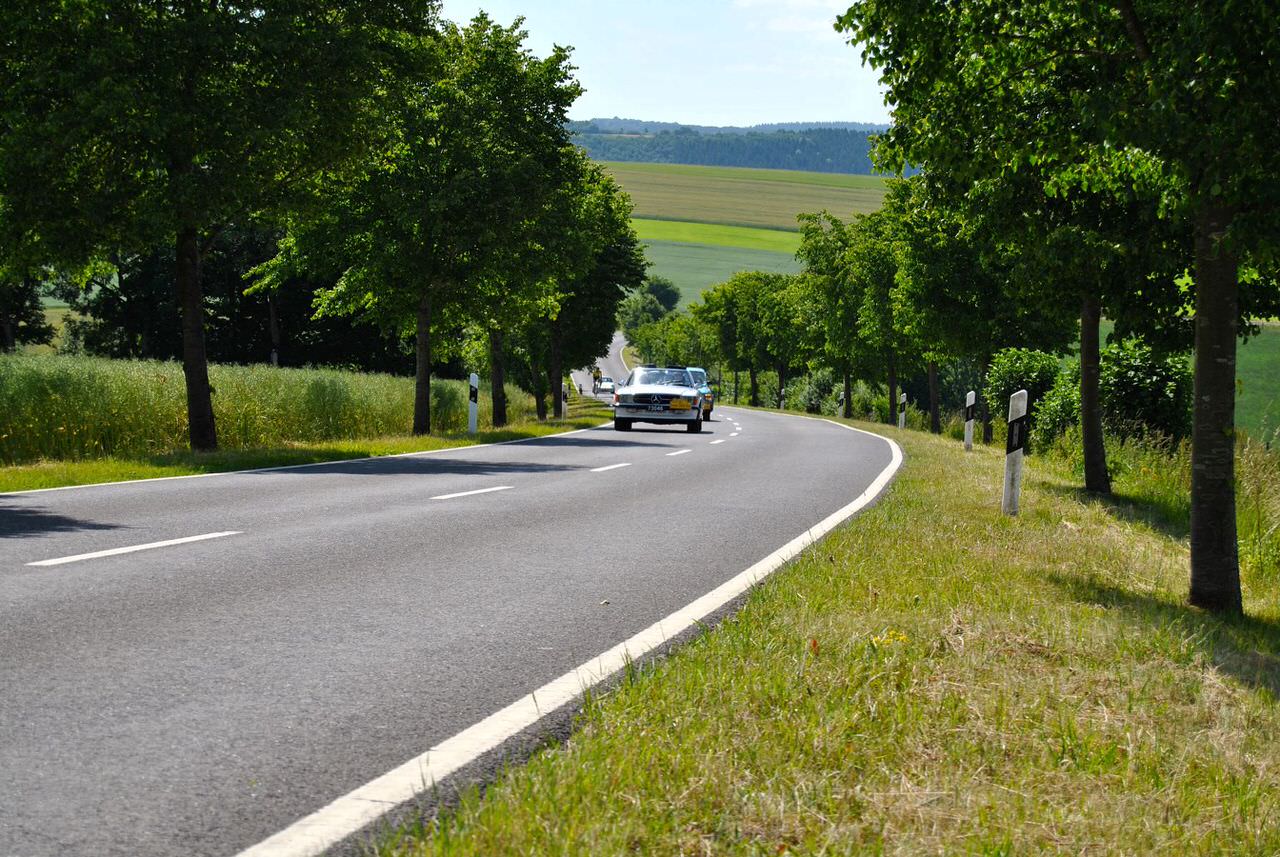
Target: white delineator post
[[902, 410], [473, 406], [1013, 447], [970, 405]]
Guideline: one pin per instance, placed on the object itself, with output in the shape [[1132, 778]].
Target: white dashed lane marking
[[469, 493], [678, 452], [133, 548], [610, 467]]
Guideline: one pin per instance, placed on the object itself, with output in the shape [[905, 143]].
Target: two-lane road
[[196, 695]]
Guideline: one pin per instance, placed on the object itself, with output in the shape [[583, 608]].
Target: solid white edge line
[[282, 467], [610, 467], [133, 548], [470, 493], [678, 452], [354, 811]]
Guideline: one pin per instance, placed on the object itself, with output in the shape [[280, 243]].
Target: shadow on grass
[[1244, 647], [1129, 508], [19, 521]]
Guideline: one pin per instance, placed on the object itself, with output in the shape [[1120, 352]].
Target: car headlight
[[624, 398]]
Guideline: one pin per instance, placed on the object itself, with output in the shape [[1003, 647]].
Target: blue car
[[708, 396]]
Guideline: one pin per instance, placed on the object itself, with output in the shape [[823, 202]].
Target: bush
[[1144, 392], [1140, 394], [814, 392], [1015, 369]]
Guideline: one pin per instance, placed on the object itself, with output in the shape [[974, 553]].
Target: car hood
[[663, 389]]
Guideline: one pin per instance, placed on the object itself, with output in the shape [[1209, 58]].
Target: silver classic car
[[658, 394]]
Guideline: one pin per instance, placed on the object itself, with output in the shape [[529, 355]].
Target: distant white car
[[607, 385], [658, 394]]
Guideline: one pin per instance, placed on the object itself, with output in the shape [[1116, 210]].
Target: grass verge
[[584, 412], [931, 678]]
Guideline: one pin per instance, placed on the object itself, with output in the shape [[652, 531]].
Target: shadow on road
[[18, 521]]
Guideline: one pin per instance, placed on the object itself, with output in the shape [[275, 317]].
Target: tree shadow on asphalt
[[19, 521], [1244, 647]]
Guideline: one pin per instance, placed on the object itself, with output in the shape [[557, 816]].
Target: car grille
[[652, 398]]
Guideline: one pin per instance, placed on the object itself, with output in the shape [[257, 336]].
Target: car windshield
[[677, 377], [699, 377]]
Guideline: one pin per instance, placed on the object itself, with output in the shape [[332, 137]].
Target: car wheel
[[696, 426], [622, 425]]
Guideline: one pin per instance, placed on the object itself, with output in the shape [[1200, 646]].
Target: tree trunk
[[848, 395], [755, 386], [735, 386], [273, 328], [195, 364], [893, 386], [555, 371], [935, 403], [8, 335], [1215, 569], [498, 378], [1096, 478], [984, 407], [422, 377]]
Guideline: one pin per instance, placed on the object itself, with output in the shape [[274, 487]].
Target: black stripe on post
[[902, 407], [475, 395], [1017, 437], [969, 411]]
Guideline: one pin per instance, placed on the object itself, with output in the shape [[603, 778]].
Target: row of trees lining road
[[948, 277], [1112, 98], [415, 174]]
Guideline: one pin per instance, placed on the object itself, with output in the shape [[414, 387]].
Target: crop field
[[695, 267], [743, 197], [717, 235]]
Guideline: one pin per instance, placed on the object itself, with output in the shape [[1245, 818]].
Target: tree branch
[[1134, 26]]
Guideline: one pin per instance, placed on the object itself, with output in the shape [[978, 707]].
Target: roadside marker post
[[902, 410], [1014, 445], [473, 406], [970, 405]]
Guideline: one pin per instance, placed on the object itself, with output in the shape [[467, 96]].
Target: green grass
[[584, 412], [65, 407], [931, 678], [742, 197], [717, 235], [695, 267]]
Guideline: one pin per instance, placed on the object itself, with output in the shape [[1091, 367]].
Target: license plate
[[679, 405], [657, 407]]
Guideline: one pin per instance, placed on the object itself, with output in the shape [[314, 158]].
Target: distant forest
[[825, 147]]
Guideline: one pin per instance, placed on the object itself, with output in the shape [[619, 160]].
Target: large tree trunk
[[892, 366], [735, 386], [498, 378], [195, 364], [848, 395], [754, 381], [935, 399], [1215, 569], [1095, 453], [422, 377], [555, 371]]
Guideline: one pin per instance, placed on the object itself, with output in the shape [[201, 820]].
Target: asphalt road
[[195, 698]]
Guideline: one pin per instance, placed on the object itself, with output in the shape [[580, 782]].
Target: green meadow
[[696, 267]]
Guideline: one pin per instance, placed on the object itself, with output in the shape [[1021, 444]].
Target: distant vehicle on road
[[658, 394], [606, 385], [699, 376]]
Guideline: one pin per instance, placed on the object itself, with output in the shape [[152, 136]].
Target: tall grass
[[1154, 474], [62, 407]]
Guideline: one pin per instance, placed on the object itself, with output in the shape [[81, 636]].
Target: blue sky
[[705, 62]]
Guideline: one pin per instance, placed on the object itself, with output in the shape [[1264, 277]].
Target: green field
[[695, 267], [743, 197], [717, 235]]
